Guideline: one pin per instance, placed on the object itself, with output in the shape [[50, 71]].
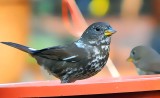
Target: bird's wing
[[155, 65], [60, 53]]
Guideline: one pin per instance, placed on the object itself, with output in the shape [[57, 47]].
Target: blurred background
[[40, 24]]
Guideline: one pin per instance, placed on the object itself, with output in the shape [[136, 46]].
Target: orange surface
[[83, 87], [148, 94], [14, 22]]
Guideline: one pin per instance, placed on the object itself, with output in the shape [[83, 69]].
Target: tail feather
[[20, 47]]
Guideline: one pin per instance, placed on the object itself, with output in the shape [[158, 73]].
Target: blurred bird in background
[[80, 60], [146, 60]]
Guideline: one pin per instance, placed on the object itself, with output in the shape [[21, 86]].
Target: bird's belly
[[92, 69], [76, 71]]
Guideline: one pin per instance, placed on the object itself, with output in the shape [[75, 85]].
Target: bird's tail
[[20, 47]]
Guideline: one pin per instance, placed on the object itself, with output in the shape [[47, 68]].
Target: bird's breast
[[97, 62]]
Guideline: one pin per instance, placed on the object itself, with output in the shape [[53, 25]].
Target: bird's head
[[140, 52], [98, 32]]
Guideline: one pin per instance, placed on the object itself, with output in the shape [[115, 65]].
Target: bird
[[78, 60], [146, 60]]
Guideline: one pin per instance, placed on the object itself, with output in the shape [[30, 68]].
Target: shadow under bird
[[146, 60], [76, 61]]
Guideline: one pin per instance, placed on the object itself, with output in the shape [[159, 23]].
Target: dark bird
[[146, 60], [78, 60]]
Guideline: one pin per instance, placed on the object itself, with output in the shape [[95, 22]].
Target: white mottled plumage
[[96, 51], [92, 42]]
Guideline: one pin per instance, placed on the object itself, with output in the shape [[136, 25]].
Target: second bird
[[146, 60], [79, 60]]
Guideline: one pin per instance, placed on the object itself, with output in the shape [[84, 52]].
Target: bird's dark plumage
[[78, 60]]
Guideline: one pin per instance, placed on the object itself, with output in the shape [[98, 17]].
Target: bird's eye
[[133, 53], [97, 29], [109, 27]]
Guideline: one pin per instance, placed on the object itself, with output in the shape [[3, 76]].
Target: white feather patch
[[80, 44], [32, 49], [71, 57]]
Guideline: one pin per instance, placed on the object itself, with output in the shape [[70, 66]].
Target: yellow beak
[[109, 32], [130, 59]]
